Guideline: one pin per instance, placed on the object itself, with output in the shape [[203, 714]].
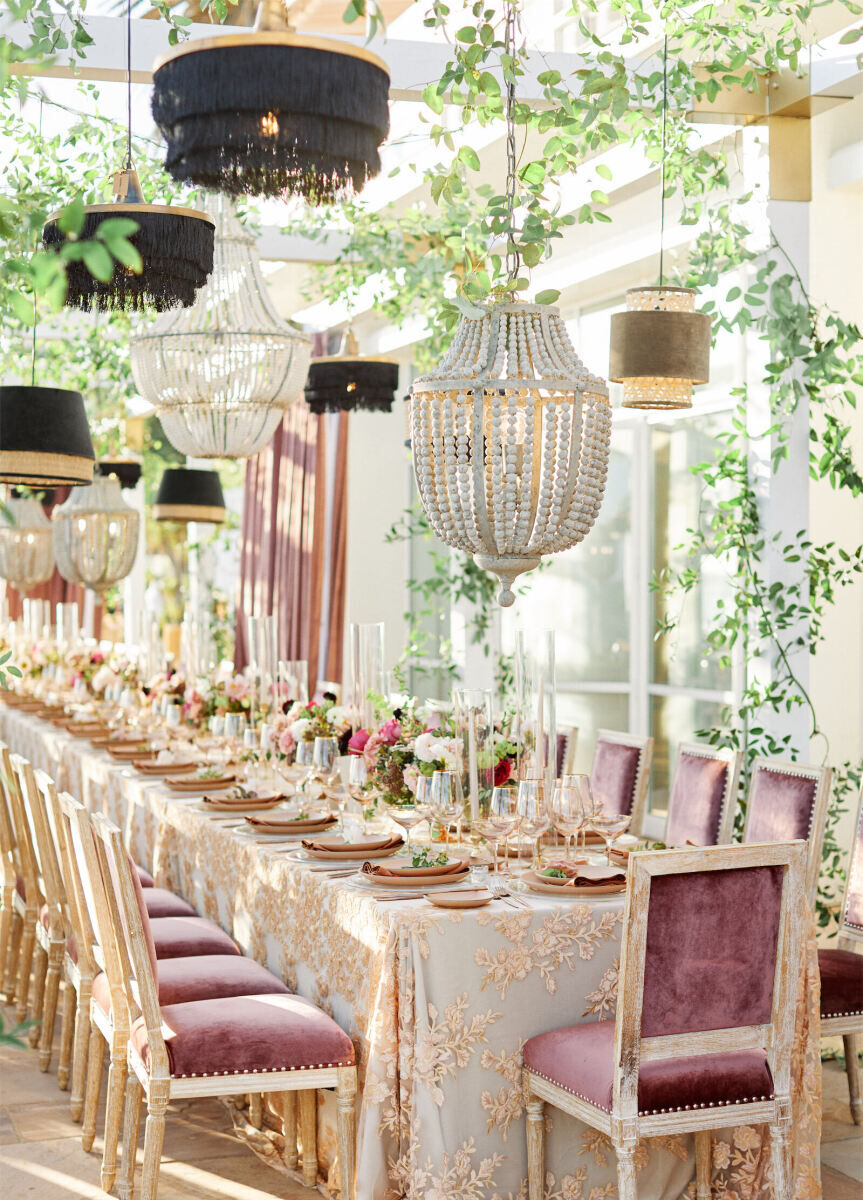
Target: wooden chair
[[701, 1040], [297, 1048], [787, 802], [842, 974], [703, 796], [11, 881], [620, 774], [28, 900]]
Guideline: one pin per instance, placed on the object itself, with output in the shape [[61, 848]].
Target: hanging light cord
[[513, 258], [129, 85], [662, 160], [35, 305]]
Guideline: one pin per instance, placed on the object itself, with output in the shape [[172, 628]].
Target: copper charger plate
[[466, 898], [200, 785], [156, 768], [538, 884], [256, 804]]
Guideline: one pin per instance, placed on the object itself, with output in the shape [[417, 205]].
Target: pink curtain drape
[[292, 558]]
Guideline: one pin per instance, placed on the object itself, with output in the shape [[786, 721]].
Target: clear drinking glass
[[447, 800], [610, 826], [408, 816], [500, 820], [294, 680], [571, 806], [534, 812], [358, 786], [325, 770]]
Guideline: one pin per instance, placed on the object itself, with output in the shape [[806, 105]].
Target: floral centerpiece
[[406, 746], [206, 700], [305, 722]]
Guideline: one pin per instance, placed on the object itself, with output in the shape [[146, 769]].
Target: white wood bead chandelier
[[510, 439]]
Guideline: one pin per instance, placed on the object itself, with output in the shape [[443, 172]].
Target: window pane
[[679, 657], [589, 713], [583, 594], [674, 719]]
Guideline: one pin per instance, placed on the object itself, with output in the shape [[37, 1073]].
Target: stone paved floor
[[41, 1156]]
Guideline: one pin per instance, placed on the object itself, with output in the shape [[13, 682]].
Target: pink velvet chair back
[[703, 796], [621, 772], [852, 910], [788, 802]]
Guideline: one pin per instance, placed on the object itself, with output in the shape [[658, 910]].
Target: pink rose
[[371, 750], [411, 776], [390, 732], [287, 745], [358, 742]]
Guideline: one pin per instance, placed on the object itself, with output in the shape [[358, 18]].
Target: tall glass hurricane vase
[[536, 719], [473, 709], [367, 667]]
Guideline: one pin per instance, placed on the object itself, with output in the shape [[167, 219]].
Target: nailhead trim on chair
[[652, 1112], [257, 1071], [848, 1012]]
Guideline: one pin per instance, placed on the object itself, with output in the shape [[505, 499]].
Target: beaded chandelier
[[96, 535], [26, 548], [221, 373], [510, 438]]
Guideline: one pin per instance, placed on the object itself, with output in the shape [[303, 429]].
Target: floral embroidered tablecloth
[[439, 1004]]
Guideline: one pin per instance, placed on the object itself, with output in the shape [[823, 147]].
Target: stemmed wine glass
[[567, 813], [533, 810], [447, 799], [502, 819], [407, 815], [358, 786], [325, 772], [303, 760], [591, 804], [610, 826]]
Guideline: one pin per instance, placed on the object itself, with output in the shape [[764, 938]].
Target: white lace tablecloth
[[439, 1004]]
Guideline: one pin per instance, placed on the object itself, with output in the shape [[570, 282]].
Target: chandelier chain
[[662, 161], [513, 258]]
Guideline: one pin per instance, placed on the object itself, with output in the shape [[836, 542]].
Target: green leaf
[[466, 34], [97, 260], [469, 157], [603, 170], [71, 219], [549, 296], [116, 227]]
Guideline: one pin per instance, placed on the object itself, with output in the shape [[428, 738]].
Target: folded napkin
[[293, 825], [453, 868], [583, 876], [241, 802], [189, 782], [340, 846]]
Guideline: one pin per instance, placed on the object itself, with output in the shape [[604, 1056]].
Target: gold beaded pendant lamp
[[510, 434], [660, 347], [26, 547], [96, 535]]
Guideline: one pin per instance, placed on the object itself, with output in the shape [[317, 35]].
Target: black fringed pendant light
[[127, 470], [175, 244], [270, 112], [189, 494], [348, 381], [44, 437]]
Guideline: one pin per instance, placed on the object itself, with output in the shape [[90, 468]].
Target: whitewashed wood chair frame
[[28, 908], [642, 775], [734, 758], [848, 1025], [111, 1029], [823, 777], [624, 1125], [11, 904], [159, 1087], [79, 974]]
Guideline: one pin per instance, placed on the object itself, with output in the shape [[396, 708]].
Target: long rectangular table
[[439, 1004]]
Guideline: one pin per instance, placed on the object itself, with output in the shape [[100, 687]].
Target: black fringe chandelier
[[175, 244], [348, 381], [271, 112]]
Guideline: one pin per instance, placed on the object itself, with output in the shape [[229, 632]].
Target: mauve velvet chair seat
[[613, 775], [841, 982], [203, 977], [144, 877], [162, 903], [183, 937], [580, 1059], [247, 1033]]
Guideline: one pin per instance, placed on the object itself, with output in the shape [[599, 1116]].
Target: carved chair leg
[[780, 1159], [309, 1135], [256, 1110], [346, 1117], [131, 1126], [25, 967], [535, 1144], [113, 1115], [626, 1186], [50, 997], [13, 955], [6, 913], [154, 1136], [852, 1068], [37, 999], [289, 1127], [703, 1162], [67, 1035], [95, 1063], [80, 1050]]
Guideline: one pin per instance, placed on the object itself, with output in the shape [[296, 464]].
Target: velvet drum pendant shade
[[272, 112], [346, 382], [44, 437], [188, 494]]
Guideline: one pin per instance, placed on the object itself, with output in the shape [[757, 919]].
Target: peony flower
[[237, 688], [411, 776], [287, 744], [103, 678], [298, 728], [390, 732], [426, 747], [502, 772], [371, 750], [358, 742]]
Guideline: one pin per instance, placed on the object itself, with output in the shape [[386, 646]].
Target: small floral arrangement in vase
[[406, 746]]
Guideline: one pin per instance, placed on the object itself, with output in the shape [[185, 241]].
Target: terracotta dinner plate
[[288, 827], [537, 884], [183, 784], [157, 768], [418, 877], [251, 805], [354, 852], [464, 898]]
